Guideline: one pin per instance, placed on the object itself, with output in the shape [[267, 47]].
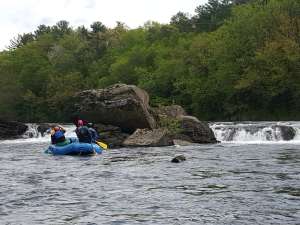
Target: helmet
[[56, 128], [80, 123]]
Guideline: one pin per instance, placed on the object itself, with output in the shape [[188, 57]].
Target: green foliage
[[211, 15], [233, 60], [172, 124]]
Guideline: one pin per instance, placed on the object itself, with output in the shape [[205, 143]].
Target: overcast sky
[[19, 16]]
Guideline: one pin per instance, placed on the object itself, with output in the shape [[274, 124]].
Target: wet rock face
[[125, 106], [173, 111], [11, 129], [197, 131], [43, 127], [189, 129], [151, 138], [287, 133], [111, 135]]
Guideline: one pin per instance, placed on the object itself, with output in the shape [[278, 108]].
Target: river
[[251, 177]]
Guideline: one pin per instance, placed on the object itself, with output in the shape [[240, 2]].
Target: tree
[[98, 27], [61, 28], [21, 40], [211, 15], [41, 30], [182, 21]]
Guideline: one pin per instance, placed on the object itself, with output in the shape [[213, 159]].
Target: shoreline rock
[[11, 129]]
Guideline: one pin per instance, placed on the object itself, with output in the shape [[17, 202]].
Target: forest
[[231, 60]]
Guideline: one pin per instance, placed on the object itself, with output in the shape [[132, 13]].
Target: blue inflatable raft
[[74, 148]]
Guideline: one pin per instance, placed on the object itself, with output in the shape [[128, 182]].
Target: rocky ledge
[[11, 129], [125, 119]]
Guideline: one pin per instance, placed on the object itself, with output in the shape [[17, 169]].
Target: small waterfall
[[256, 132], [32, 131], [33, 134]]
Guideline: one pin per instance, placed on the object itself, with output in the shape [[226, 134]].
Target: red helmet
[[80, 123]]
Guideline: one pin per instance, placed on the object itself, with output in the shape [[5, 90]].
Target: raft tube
[[74, 148]]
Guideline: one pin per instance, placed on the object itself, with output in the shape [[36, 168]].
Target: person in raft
[[87, 132], [94, 132], [83, 133], [57, 134]]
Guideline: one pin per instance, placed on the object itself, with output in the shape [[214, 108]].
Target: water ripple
[[218, 184]]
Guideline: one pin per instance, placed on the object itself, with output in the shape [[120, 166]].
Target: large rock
[[125, 106], [124, 109], [42, 128], [11, 129], [111, 135], [150, 138], [287, 132], [173, 111], [197, 131]]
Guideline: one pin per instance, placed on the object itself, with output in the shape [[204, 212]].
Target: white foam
[[33, 136], [254, 132]]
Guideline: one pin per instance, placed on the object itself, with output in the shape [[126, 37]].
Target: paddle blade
[[102, 145]]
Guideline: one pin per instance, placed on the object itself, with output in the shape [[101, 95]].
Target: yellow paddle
[[102, 145]]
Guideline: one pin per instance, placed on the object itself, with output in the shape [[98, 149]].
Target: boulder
[[111, 135], [124, 109], [173, 111], [150, 138], [11, 129], [125, 106], [113, 139], [178, 159], [43, 127], [287, 132], [183, 127], [197, 131]]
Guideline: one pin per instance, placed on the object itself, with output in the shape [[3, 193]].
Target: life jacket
[[58, 137], [95, 135], [84, 134], [65, 142]]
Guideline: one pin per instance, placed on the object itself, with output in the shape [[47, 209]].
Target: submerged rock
[[11, 129], [178, 159]]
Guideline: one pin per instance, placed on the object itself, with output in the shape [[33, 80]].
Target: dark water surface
[[218, 184]]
